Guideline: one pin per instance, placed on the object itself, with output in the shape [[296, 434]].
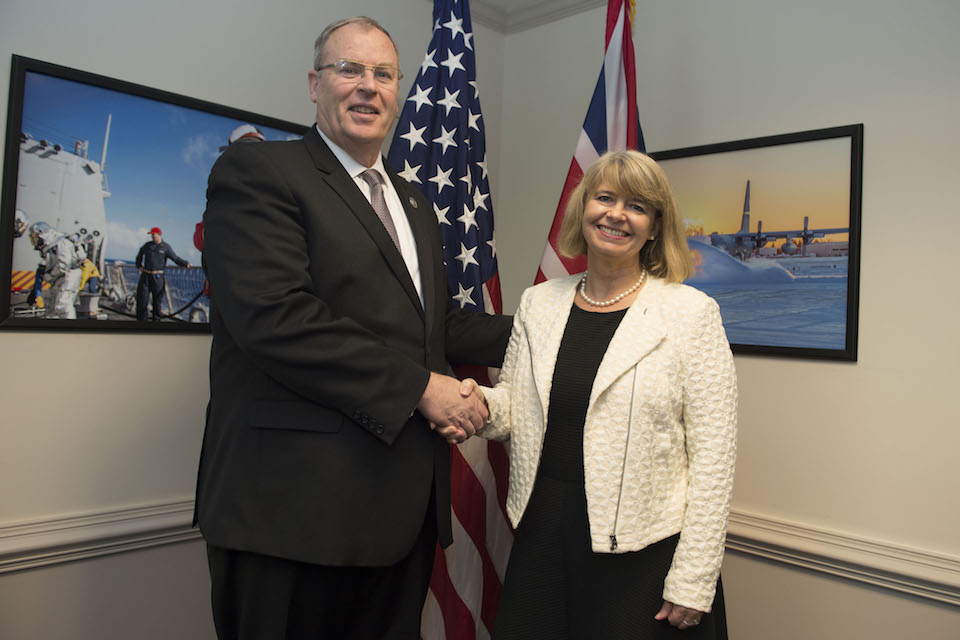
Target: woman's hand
[[680, 617], [470, 386]]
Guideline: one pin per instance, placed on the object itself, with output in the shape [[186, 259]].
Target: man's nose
[[368, 82]]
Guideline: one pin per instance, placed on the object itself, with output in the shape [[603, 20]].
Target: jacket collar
[[639, 333]]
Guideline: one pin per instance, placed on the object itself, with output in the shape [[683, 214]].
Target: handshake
[[456, 410]]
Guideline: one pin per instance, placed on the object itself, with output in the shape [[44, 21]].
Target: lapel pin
[[413, 202]]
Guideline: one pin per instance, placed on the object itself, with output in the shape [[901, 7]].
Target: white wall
[[864, 450], [95, 425], [158, 594], [860, 449], [771, 601]]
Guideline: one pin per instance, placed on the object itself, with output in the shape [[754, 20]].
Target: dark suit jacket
[[321, 351]]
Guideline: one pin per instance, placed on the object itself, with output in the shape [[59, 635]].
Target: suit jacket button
[[380, 430]]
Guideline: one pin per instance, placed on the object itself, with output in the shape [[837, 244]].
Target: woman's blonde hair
[[636, 175]]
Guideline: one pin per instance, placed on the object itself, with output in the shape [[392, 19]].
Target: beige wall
[[161, 593], [770, 601], [862, 449], [94, 426]]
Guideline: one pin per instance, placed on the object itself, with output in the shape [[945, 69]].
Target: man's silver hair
[[321, 42]]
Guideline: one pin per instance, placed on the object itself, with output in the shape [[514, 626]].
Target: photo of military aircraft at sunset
[[769, 229]]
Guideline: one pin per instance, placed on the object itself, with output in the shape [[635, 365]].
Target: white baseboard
[[918, 572], [74, 537]]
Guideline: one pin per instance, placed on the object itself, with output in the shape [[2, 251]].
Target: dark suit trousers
[[258, 597]]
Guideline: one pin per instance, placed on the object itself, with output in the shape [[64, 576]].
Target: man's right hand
[[443, 404]]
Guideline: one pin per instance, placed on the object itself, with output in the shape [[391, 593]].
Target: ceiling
[[510, 16]]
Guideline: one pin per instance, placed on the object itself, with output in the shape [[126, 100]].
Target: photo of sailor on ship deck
[[99, 172]]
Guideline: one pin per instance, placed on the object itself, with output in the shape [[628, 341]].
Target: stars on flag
[[483, 166], [428, 61], [421, 97], [452, 63], [440, 143], [443, 110], [479, 199], [446, 139], [455, 25], [449, 100], [442, 179], [414, 136], [472, 119], [441, 214], [469, 218], [410, 173], [466, 256], [464, 296]]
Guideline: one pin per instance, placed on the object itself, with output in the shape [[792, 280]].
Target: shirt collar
[[351, 166]]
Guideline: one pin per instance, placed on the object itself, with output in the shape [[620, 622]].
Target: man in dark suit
[[323, 487]]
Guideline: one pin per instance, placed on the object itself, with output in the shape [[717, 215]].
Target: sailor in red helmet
[[243, 133], [151, 261]]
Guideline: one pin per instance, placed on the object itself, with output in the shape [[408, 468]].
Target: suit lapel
[[341, 182], [546, 345], [640, 331]]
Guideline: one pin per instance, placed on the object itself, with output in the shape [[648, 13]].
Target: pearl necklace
[[607, 303]]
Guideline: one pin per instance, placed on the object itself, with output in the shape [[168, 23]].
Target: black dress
[[556, 587]]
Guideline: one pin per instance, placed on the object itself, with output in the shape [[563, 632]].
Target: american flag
[[439, 146], [612, 123]]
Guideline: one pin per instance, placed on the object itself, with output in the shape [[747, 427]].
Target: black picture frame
[[158, 146], [798, 298]]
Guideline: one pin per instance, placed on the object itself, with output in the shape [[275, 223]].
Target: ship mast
[[106, 139], [104, 186]]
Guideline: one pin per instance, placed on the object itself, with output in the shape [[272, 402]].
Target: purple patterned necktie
[[372, 177]]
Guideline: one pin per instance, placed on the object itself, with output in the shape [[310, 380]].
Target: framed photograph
[[104, 187], [774, 227]]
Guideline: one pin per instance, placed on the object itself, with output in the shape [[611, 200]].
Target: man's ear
[[313, 79]]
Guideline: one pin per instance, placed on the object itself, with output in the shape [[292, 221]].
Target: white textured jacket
[[659, 441]]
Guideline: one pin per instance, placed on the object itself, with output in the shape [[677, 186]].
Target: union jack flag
[[612, 123], [439, 146]]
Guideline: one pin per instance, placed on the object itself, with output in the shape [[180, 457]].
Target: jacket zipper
[[623, 469]]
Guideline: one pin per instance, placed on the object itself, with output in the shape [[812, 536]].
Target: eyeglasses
[[352, 71]]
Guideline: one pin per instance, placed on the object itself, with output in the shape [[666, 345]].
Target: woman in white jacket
[[618, 394]]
